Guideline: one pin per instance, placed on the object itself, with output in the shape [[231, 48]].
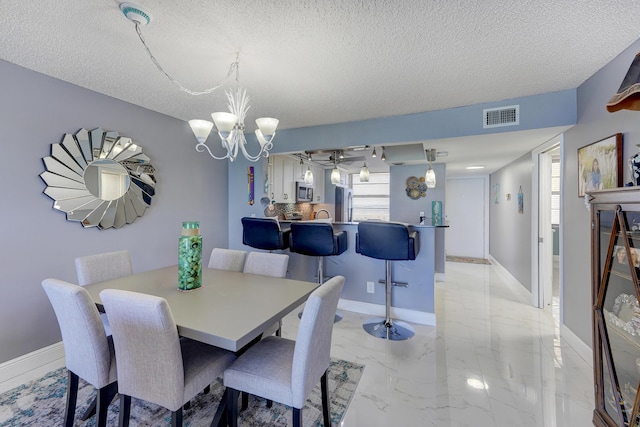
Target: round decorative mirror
[[99, 178]]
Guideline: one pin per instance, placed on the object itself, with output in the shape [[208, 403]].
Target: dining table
[[230, 310]]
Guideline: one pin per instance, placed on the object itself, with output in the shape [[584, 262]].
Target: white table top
[[228, 311]]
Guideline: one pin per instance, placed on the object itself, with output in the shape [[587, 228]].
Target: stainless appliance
[[304, 192], [344, 204]]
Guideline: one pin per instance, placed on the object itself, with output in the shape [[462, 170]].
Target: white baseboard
[[414, 316], [572, 339], [577, 344], [511, 280], [31, 361]]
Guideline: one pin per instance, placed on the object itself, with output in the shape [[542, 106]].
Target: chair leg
[[91, 409], [324, 387], [245, 401], [279, 330], [232, 407], [220, 417], [104, 398], [297, 417], [72, 395], [269, 403], [176, 418], [125, 410], [187, 406], [207, 389]]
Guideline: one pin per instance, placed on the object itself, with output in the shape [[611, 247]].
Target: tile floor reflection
[[492, 360]]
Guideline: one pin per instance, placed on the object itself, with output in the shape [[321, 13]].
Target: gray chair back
[[98, 268], [267, 264], [311, 356], [147, 344], [227, 259], [87, 349]]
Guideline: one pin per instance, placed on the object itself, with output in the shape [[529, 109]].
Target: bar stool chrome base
[[321, 280], [393, 330]]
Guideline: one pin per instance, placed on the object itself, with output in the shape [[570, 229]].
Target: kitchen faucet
[[324, 210]]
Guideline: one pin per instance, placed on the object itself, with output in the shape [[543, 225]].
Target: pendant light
[[364, 173], [430, 175], [308, 176], [374, 154]]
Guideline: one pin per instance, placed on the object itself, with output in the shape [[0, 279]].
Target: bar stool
[[320, 240], [264, 233], [390, 241]]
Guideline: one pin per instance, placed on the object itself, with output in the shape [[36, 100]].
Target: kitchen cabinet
[[283, 179], [615, 287]]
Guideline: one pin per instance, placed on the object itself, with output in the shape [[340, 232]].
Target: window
[[371, 199], [555, 190]]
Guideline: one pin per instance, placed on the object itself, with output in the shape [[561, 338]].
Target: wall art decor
[[416, 187], [520, 201], [600, 165], [496, 193], [99, 178]]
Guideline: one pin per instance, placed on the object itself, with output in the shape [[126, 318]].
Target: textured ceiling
[[323, 61]]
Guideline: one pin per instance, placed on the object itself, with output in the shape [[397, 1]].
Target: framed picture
[[600, 165]]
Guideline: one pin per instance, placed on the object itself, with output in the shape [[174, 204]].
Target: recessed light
[[475, 167]]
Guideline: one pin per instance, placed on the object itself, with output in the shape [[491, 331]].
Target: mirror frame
[[64, 177]]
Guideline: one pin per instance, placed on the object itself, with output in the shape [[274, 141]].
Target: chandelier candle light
[[230, 125]]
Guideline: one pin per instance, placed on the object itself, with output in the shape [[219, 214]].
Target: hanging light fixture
[[374, 154], [335, 173], [430, 175], [383, 157], [364, 173], [308, 176], [230, 125]]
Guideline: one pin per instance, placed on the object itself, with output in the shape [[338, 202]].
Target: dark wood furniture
[[615, 272]]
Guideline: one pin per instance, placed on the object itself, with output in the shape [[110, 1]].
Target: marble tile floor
[[492, 360]]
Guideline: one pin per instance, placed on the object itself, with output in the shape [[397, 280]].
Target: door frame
[[540, 252]]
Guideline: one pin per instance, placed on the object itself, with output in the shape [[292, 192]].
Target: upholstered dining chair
[[286, 371], [88, 351], [268, 264], [98, 268], [154, 363], [227, 259]]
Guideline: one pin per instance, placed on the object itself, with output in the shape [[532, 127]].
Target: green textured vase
[[190, 257]]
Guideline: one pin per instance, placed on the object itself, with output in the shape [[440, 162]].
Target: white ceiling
[[329, 61]]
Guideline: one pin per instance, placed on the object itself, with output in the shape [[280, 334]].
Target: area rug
[[468, 260], [41, 403]]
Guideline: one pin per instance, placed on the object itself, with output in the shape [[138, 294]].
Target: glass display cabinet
[[615, 272]]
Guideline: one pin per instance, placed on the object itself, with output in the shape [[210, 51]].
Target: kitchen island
[[413, 303]]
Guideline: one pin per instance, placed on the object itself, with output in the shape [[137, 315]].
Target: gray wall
[[509, 231], [38, 242], [594, 123], [404, 209]]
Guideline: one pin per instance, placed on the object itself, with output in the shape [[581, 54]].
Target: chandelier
[[230, 125]]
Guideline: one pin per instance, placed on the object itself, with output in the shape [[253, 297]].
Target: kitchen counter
[[414, 303]]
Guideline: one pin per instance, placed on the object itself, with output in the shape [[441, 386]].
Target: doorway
[[546, 238], [466, 215]]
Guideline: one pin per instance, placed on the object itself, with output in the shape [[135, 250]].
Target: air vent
[[502, 116]]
